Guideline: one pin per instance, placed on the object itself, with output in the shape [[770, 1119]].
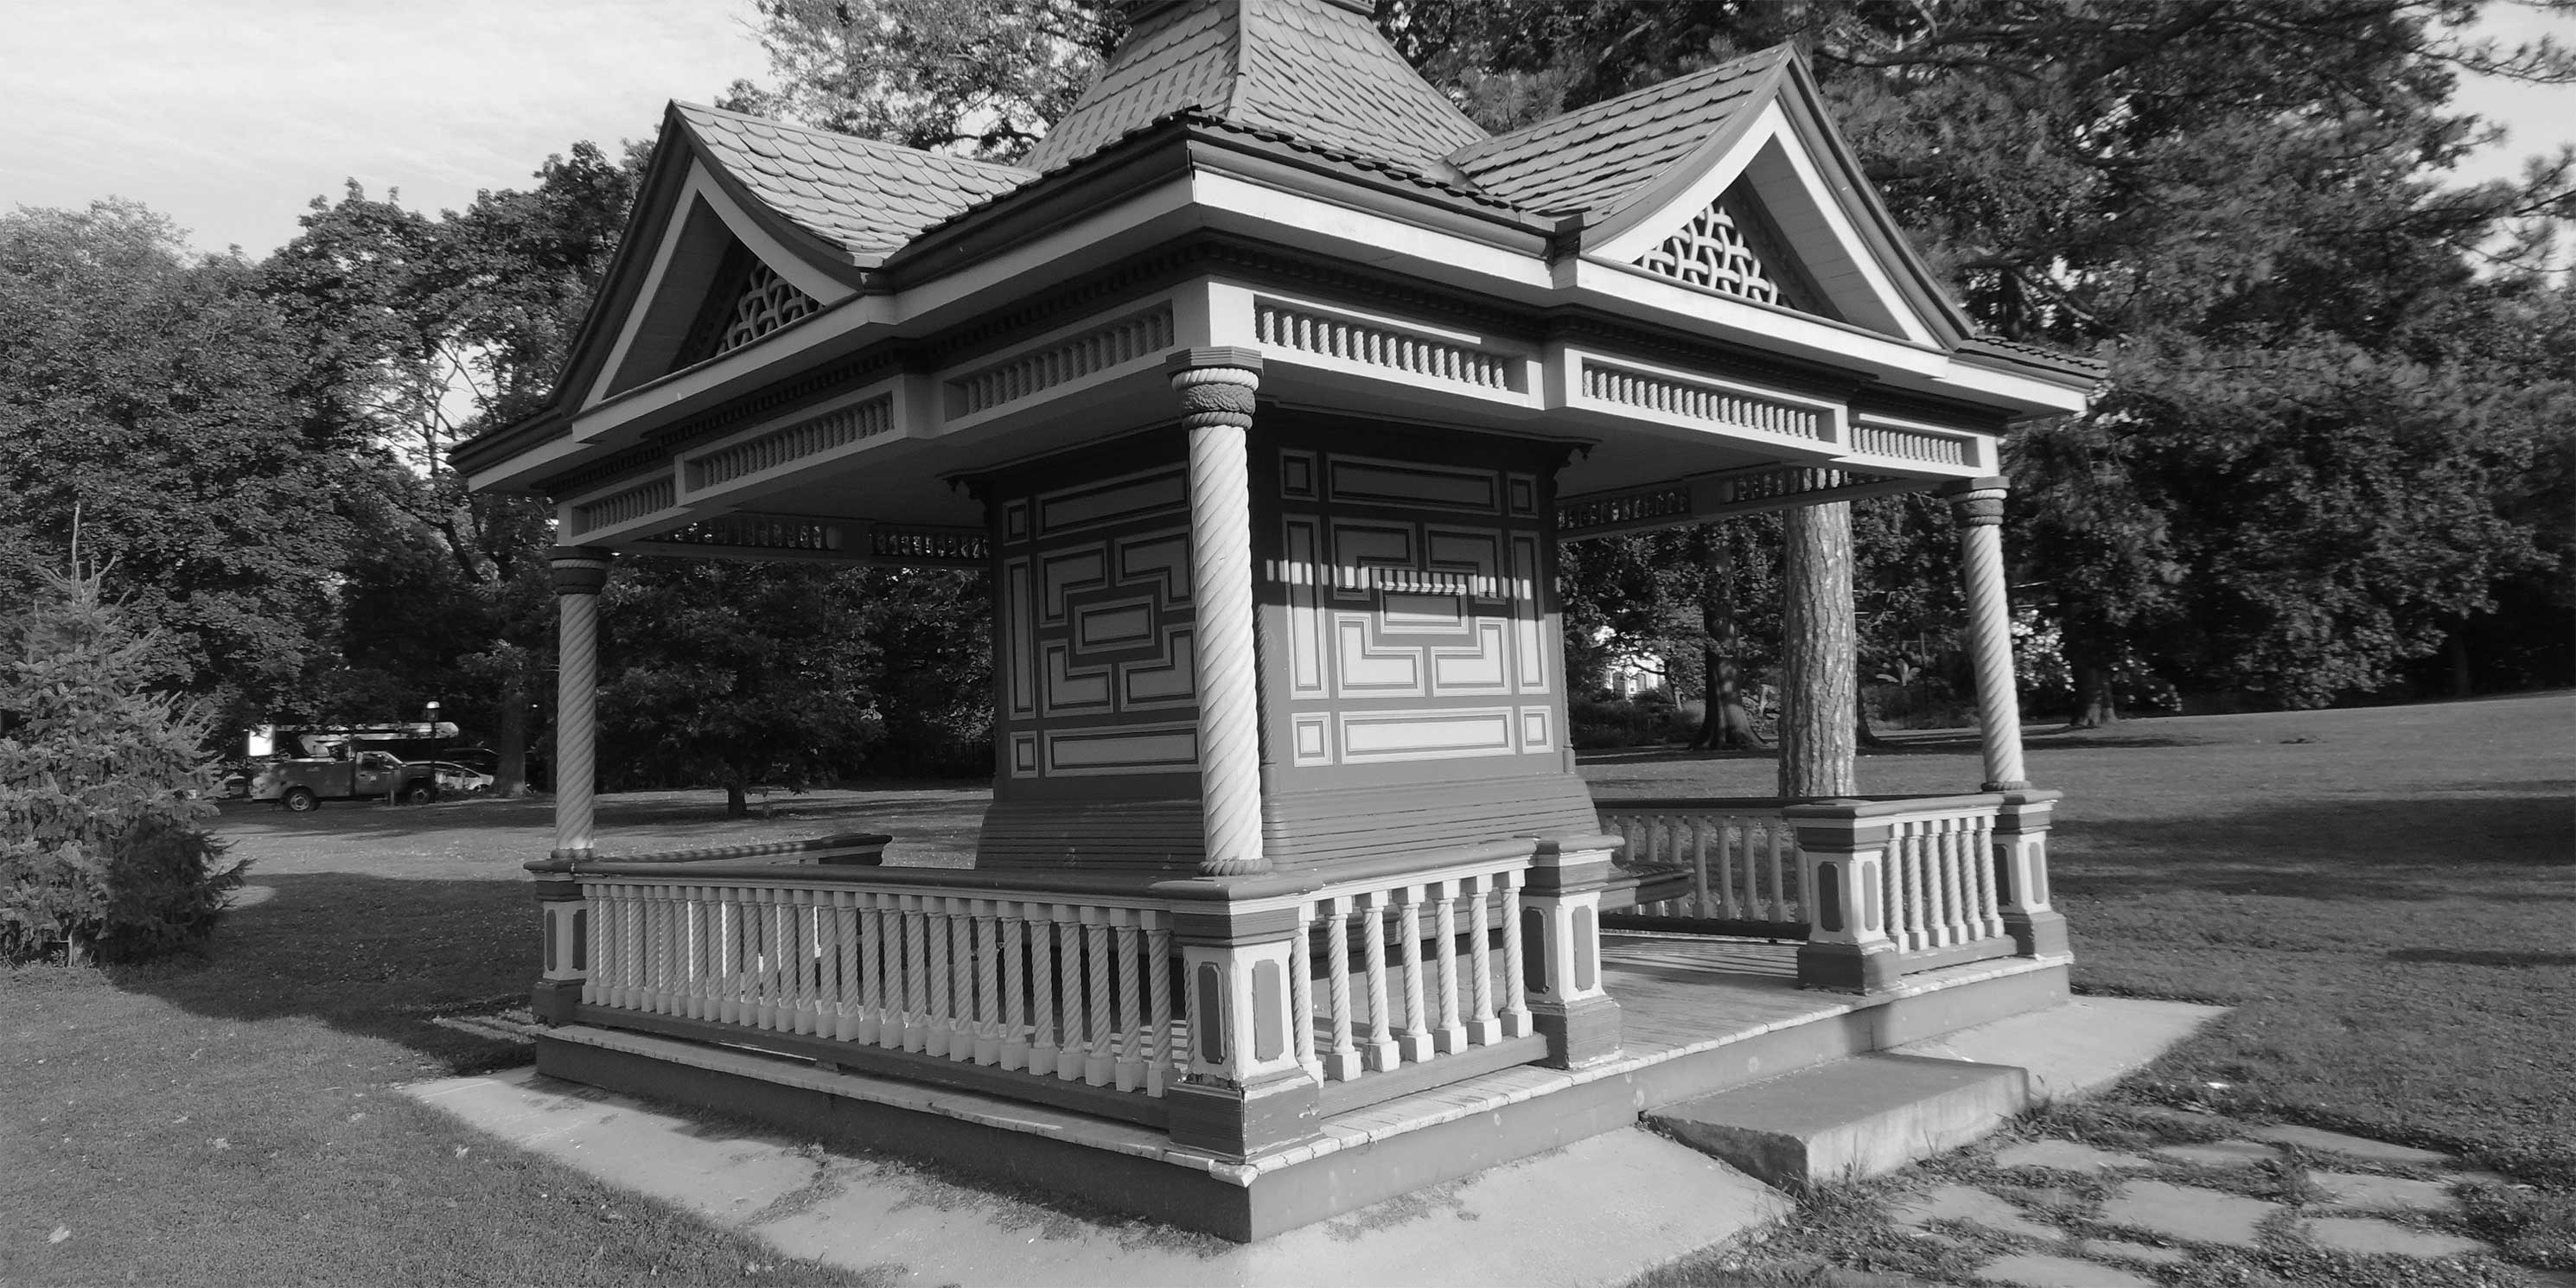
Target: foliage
[[743, 675], [104, 842], [430, 331], [981, 77], [159, 395], [2061, 162]]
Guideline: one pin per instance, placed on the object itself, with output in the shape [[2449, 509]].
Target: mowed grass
[[232, 1120], [2384, 895], [2387, 897]]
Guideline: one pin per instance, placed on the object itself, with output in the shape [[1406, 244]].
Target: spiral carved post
[[579, 572], [1216, 388], [1979, 508], [563, 911]]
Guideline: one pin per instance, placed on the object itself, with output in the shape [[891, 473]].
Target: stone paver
[[1966, 1203], [2064, 1155], [2225, 1153], [2189, 1212], [2146, 1252], [2377, 1151], [2366, 1234], [2038, 1270], [2354, 1190]]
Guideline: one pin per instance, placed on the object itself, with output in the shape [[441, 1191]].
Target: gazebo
[[1263, 392]]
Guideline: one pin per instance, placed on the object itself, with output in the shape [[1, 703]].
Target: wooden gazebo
[[1264, 394]]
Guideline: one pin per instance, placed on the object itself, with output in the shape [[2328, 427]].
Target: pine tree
[[105, 847]]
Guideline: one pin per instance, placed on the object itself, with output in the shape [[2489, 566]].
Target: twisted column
[[1216, 388], [1979, 509], [579, 574]]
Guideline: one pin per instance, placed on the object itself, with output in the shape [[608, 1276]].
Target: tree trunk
[[510, 777], [2095, 706], [1817, 646], [1867, 736], [737, 805], [2460, 683], [1725, 724]]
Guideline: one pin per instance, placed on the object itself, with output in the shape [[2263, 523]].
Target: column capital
[[579, 570], [1978, 503], [1225, 363]]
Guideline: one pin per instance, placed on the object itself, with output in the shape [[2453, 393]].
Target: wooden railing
[[1877, 888], [1722, 866], [1070, 989], [1052, 987]]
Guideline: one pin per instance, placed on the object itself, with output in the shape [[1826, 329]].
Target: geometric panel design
[[1097, 637], [1404, 627], [761, 302]]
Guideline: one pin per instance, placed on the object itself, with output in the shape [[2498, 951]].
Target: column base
[[1579, 1033], [2037, 934], [1238, 1122], [1847, 968], [553, 1000]]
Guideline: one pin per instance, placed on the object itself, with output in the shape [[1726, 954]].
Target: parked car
[[460, 780], [303, 784]]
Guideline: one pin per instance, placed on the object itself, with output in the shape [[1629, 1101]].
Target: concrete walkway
[[1646, 1200]]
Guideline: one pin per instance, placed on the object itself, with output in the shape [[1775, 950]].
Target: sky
[[231, 115]]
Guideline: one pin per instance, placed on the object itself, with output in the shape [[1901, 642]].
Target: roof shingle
[[1311, 68], [1593, 157], [865, 197]]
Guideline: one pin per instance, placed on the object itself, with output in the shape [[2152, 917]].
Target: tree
[[104, 841], [979, 77], [733, 675], [158, 395], [430, 331]]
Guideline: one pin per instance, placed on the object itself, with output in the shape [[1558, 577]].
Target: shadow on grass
[[373, 956], [2430, 845]]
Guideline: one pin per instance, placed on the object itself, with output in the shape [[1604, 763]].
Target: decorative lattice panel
[[1724, 249], [761, 303]]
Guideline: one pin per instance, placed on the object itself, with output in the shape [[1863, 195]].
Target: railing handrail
[[724, 853], [1392, 870], [1865, 807]]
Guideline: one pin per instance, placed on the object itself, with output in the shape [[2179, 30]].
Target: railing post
[[563, 917], [1845, 857], [1245, 1091], [2021, 870], [1560, 915]]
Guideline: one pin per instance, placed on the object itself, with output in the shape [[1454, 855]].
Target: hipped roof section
[[1315, 69]]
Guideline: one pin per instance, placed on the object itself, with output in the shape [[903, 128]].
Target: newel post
[[1560, 916], [563, 917], [1845, 861], [1244, 1090], [2021, 873]]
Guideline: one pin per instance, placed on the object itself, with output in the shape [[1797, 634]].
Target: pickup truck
[[303, 784]]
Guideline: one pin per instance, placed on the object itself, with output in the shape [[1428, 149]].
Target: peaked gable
[[1733, 180]]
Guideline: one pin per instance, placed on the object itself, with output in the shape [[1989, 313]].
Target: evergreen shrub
[[106, 851]]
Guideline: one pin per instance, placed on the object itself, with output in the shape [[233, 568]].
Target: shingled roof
[[1593, 158], [866, 198], [1315, 69]]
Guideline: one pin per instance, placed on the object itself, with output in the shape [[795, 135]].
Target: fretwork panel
[[1414, 625], [1097, 628]]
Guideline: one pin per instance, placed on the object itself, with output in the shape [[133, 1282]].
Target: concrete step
[[1848, 1118]]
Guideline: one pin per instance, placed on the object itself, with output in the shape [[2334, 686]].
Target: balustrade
[[1713, 861]]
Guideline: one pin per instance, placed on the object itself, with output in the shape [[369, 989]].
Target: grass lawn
[[2387, 896], [2383, 894]]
